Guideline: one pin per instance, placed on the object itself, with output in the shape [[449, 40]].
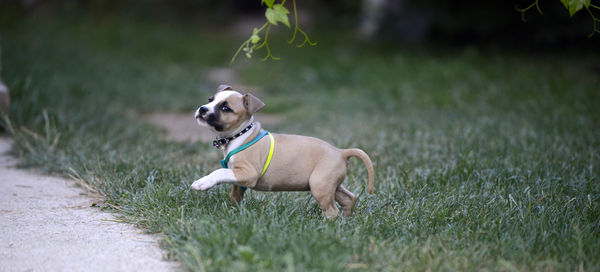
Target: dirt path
[[48, 224], [182, 127]]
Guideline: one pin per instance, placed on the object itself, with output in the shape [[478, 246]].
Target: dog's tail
[[355, 152]]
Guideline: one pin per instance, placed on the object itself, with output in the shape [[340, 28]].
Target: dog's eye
[[227, 109], [211, 99]]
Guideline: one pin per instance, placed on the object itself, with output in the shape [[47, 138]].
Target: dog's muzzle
[[211, 119], [201, 112]]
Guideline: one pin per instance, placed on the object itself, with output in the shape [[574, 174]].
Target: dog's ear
[[223, 87], [252, 103]]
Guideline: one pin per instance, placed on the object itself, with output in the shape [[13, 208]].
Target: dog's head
[[228, 110]]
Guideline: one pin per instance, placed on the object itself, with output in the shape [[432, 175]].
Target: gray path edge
[[48, 224]]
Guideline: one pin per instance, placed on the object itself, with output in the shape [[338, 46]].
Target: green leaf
[[269, 3], [254, 38], [575, 5], [278, 13]]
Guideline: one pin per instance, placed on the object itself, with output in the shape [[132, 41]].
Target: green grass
[[484, 160]]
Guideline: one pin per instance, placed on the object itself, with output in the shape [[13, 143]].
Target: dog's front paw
[[202, 185]]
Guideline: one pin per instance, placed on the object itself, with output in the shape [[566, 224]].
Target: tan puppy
[[299, 163]]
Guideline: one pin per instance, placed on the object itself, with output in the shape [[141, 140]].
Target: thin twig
[[295, 23], [594, 20], [266, 45], [297, 28], [528, 8]]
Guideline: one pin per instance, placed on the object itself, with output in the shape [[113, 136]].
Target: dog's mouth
[[199, 118], [210, 120], [201, 121]]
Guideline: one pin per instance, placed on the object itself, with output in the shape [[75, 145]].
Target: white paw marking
[[216, 177]]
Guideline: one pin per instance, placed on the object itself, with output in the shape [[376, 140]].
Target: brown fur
[[300, 163]]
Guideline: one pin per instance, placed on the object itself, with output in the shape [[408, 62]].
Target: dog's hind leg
[[323, 185], [346, 199], [325, 198]]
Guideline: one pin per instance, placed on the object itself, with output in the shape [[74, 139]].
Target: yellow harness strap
[[271, 149]]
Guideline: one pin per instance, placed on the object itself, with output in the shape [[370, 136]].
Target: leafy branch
[[573, 6], [275, 13]]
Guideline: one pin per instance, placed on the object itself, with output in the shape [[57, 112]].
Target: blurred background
[[399, 21]]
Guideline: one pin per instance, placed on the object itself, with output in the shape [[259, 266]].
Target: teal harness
[[225, 161]]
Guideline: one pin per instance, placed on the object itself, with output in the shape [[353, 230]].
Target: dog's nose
[[202, 110]]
